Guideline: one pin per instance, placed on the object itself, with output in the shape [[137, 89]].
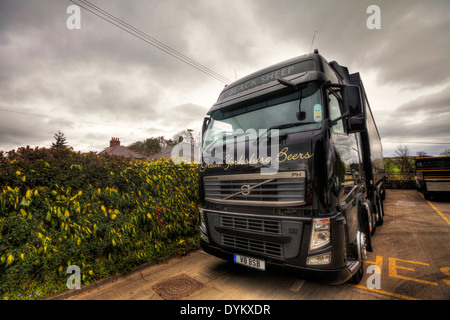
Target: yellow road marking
[[386, 293], [378, 262], [393, 270], [436, 209]]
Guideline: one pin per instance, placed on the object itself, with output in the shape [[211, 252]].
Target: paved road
[[411, 252]]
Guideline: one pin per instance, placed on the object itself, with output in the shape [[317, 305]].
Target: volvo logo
[[245, 189]]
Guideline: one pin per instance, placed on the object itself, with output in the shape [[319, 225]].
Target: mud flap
[[365, 217]]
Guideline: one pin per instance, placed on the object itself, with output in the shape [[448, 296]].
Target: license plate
[[250, 262]]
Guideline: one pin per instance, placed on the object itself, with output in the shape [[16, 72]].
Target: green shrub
[[103, 214]]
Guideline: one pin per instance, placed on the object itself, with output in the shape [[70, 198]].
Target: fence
[[401, 180]]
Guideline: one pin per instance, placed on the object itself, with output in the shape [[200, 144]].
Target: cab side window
[[335, 112]]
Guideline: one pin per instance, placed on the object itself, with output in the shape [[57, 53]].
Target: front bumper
[[329, 276]]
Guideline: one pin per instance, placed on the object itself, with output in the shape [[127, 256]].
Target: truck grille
[[283, 188], [271, 236], [254, 246], [251, 224]]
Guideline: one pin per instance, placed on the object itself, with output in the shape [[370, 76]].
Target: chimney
[[114, 142]]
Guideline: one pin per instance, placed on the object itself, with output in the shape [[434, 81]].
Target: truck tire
[[380, 212], [383, 193], [362, 255]]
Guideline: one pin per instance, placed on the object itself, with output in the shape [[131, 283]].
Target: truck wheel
[[375, 218], [361, 245], [383, 193], [380, 210]]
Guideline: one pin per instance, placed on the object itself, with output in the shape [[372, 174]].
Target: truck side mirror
[[356, 124], [352, 100]]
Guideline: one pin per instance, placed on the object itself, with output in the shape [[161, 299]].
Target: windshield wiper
[[300, 115], [284, 126], [290, 125]]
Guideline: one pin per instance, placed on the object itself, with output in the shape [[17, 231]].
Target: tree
[[422, 154], [152, 146], [194, 137], [403, 153], [389, 166], [446, 152], [149, 146], [60, 142]]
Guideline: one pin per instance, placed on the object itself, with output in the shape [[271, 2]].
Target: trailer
[[292, 172], [432, 175]]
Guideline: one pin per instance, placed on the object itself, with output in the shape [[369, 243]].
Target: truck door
[[345, 172]]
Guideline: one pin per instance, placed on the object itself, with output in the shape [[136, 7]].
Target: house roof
[[116, 149], [122, 151]]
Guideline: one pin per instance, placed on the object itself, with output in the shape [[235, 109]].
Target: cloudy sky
[[99, 81]]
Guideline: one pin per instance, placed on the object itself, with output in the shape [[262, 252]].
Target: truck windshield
[[298, 111]]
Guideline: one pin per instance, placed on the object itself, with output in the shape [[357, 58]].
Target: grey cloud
[[189, 111], [426, 119], [60, 123], [422, 124], [436, 130], [185, 116], [102, 74], [18, 128], [410, 48], [37, 29], [414, 49], [431, 105]]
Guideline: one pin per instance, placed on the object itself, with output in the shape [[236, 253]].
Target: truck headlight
[[320, 234], [319, 259], [202, 219], [203, 232]]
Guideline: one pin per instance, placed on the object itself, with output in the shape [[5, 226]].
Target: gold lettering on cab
[[282, 156]]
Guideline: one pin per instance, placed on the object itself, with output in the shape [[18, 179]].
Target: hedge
[[103, 214]]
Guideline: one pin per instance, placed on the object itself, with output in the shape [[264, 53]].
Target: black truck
[[292, 172]]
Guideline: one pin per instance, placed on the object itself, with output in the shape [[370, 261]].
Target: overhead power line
[[103, 14]]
